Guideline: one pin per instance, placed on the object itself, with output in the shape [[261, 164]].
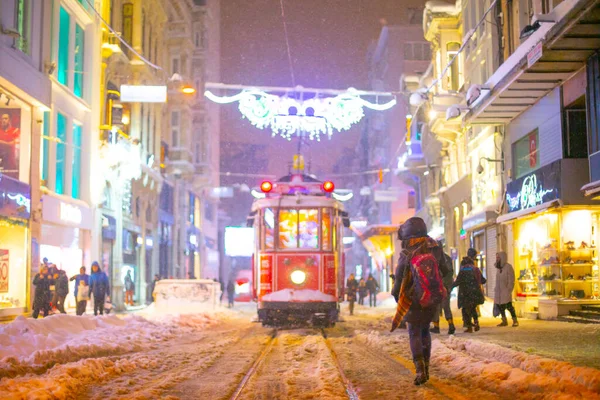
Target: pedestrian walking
[[447, 280], [222, 292], [99, 288], [53, 272], [129, 288], [505, 283], [418, 289], [82, 290], [469, 281], [41, 298], [62, 290], [352, 289], [373, 288], [362, 291], [230, 293]]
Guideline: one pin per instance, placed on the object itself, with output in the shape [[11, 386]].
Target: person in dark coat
[[373, 288], [413, 234], [62, 290], [352, 288], [469, 281], [99, 287], [41, 298], [447, 280], [230, 293], [153, 286], [362, 291], [81, 277]]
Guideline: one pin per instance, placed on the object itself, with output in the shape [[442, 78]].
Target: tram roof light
[[328, 186], [266, 186]]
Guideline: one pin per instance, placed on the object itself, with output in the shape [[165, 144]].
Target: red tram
[[298, 263]]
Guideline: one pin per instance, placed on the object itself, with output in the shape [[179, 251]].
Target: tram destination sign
[[538, 187]]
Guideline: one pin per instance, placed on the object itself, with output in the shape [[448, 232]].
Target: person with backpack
[[447, 280], [352, 288], [82, 290], [362, 291], [418, 290], [373, 288], [469, 281]]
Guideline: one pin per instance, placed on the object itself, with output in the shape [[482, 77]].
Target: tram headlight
[[298, 277]]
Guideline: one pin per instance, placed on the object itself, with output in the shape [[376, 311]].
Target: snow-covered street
[[223, 355]]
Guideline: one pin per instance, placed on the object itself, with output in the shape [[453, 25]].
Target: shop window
[[61, 153], [63, 47], [45, 162], [526, 154], [575, 133], [288, 229], [78, 73], [76, 163], [268, 228], [23, 26]]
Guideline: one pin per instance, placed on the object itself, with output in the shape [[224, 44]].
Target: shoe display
[[551, 277], [570, 277], [522, 276], [570, 245], [584, 245]]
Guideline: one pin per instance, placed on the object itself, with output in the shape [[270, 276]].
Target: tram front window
[[299, 229], [288, 229], [269, 229], [308, 229]]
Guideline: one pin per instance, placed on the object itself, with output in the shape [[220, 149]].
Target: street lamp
[[187, 89], [480, 166]]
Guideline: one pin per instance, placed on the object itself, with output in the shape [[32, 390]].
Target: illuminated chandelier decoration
[[120, 162], [287, 116]]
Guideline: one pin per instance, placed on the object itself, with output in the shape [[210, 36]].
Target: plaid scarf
[[404, 301]]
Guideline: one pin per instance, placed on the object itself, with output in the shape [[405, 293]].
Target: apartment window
[[191, 208], [44, 162], [417, 51], [197, 39], [175, 66], [575, 133], [144, 32], [23, 25], [76, 163], [127, 31], [78, 64], [70, 55], [455, 73], [526, 154], [63, 47], [415, 16], [175, 128], [198, 155], [61, 153]]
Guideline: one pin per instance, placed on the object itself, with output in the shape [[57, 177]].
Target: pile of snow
[[27, 343], [187, 296], [298, 296]]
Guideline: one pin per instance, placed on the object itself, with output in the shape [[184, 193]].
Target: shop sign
[[143, 94], [15, 198], [386, 196], [60, 212], [4, 271], [534, 189]]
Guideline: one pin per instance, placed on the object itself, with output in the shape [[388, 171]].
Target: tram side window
[[326, 228], [268, 229], [308, 229], [288, 229]]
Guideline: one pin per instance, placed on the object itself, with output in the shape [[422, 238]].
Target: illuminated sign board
[[143, 94], [15, 198], [533, 189], [71, 214]]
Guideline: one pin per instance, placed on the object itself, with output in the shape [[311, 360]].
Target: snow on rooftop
[[438, 6]]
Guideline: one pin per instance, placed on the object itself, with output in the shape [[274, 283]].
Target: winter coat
[[62, 285], [469, 281], [99, 285], [230, 290], [416, 313], [362, 288], [505, 281], [78, 278], [352, 288], [129, 286], [42, 292], [448, 279], [372, 285]]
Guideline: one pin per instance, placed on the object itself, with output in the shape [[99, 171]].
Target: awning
[[592, 188], [521, 80], [532, 210], [479, 218], [379, 242]]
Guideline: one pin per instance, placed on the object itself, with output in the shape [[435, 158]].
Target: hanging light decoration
[[288, 117]]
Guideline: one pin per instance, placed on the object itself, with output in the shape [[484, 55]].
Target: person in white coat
[[505, 283]]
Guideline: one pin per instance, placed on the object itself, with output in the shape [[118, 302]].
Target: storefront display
[[15, 207], [555, 246]]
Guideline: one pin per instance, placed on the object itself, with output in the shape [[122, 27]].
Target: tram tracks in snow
[[350, 390]]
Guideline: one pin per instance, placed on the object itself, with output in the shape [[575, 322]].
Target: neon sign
[[534, 189], [287, 116]]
